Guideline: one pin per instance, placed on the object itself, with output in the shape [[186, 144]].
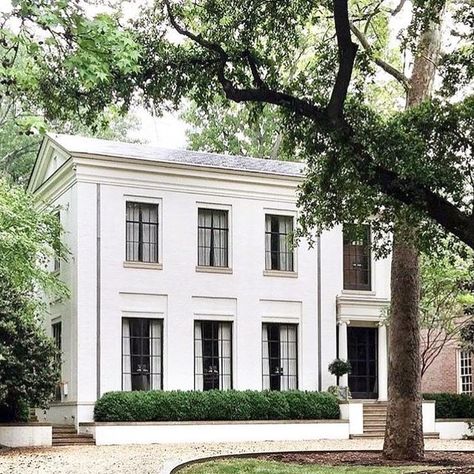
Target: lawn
[[234, 466]]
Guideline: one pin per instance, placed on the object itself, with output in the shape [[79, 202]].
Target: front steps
[[66, 435], [375, 418]]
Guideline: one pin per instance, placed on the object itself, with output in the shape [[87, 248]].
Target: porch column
[[343, 348], [382, 362]]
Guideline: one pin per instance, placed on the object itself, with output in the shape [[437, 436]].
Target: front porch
[[362, 340]]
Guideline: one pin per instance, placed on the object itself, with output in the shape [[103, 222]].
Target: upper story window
[[357, 267], [279, 356], [213, 355], [465, 372], [279, 254], [213, 237], [142, 348], [142, 232]]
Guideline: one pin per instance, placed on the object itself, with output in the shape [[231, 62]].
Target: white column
[[382, 362], [343, 348]]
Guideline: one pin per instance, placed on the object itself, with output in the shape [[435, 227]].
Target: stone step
[[381, 435], [73, 442], [70, 436]]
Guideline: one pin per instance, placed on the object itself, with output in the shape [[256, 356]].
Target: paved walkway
[[161, 458]]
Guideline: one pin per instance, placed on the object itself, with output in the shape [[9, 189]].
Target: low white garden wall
[[18, 435], [215, 431], [453, 428]]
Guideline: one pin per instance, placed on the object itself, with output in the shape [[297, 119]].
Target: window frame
[[358, 287], [231, 364], [58, 342], [470, 368], [150, 319], [147, 201], [294, 325], [291, 215], [215, 207]]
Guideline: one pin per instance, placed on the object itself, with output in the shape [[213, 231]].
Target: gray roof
[[75, 144]]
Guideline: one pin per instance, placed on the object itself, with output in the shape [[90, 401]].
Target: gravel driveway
[[161, 458]]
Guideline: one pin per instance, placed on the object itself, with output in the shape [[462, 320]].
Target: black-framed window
[[142, 354], [213, 237], [212, 355], [280, 356], [142, 232], [356, 260], [279, 254], [57, 330]]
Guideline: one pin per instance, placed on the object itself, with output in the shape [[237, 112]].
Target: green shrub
[[452, 405], [215, 405]]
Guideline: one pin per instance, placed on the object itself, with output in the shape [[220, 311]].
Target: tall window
[[142, 349], [278, 251], [57, 337], [213, 355], [213, 237], [279, 357], [356, 242], [142, 232], [465, 372]]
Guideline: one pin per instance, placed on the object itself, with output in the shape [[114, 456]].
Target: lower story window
[[279, 357], [57, 337], [465, 372], [213, 355], [142, 349]]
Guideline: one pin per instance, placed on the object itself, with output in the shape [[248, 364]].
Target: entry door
[[362, 354]]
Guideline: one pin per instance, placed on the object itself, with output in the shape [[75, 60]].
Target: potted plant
[[340, 367]]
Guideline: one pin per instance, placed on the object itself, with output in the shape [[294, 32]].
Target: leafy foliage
[[339, 367], [29, 240], [371, 164], [447, 302], [452, 405], [467, 336], [215, 405], [29, 360]]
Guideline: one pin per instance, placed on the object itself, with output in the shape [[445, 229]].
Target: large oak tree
[[410, 173]]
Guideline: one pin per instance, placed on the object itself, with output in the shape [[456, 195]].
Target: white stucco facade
[[92, 187]]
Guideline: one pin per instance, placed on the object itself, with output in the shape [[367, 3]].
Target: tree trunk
[[404, 429]]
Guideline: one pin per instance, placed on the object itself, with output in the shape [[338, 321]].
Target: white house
[[182, 277]]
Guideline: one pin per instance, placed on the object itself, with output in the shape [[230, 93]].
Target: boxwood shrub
[[215, 405], [452, 405]]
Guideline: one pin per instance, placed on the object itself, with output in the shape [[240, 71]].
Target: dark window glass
[[357, 257], [278, 250], [213, 238], [57, 336], [280, 356], [142, 232], [213, 355], [142, 349]]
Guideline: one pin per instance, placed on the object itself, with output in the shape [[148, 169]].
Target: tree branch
[[347, 52], [406, 190], [388, 68]]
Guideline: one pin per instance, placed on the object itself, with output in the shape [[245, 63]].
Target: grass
[[254, 466]]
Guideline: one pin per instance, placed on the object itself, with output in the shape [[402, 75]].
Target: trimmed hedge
[[215, 405], [452, 405]]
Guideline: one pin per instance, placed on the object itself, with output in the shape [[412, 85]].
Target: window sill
[[358, 292], [280, 273], [225, 270], [143, 265]]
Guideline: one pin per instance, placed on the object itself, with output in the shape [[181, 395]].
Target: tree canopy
[[313, 60]]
